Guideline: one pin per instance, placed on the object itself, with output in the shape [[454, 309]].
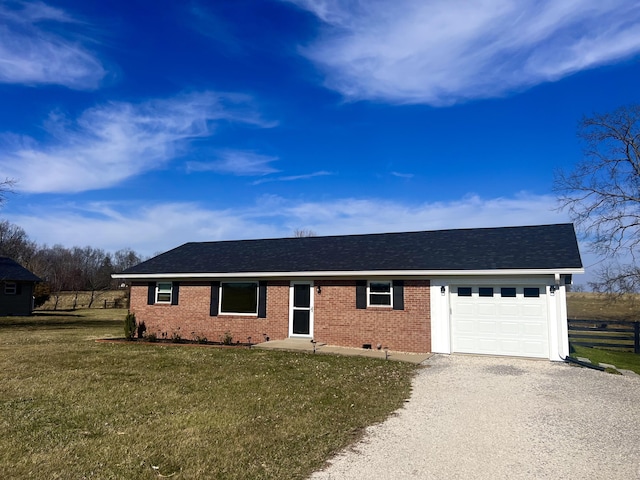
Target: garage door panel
[[466, 308], [509, 347], [529, 310], [510, 309], [500, 325], [535, 349], [509, 327], [466, 345], [533, 330], [487, 309], [487, 327], [487, 345], [466, 326]]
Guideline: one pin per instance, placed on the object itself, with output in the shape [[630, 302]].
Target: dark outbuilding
[[16, 288]]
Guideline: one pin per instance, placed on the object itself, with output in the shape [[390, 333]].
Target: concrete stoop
[[306, 345]]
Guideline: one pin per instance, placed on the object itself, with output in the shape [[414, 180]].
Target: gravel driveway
[[503, 418]]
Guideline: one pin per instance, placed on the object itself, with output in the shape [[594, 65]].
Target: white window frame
[[10, 288], [161, 291], [246, 314], [390, 294]]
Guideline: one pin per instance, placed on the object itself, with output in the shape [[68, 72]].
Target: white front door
[[301, 309]]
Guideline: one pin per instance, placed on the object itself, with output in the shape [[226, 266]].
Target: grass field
[[593, 306], [625, 360], [74, 408], [596, 306]]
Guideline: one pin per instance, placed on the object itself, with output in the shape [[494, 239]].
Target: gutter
[[351, 273]]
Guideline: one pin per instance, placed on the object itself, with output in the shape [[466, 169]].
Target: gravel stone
[[503, 418]]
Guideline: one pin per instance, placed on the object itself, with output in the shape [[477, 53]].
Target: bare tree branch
[[6, 187], [602, 193], [304, 232]]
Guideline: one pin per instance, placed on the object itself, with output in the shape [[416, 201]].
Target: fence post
[[105, 304], [636, 337]]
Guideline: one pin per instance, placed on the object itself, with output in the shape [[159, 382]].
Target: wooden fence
[[115, 303], [618, 334]]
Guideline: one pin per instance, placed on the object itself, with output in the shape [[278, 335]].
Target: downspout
[[575, 361], [583, 364]]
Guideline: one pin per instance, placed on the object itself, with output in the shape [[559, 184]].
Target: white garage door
[[500, 320]]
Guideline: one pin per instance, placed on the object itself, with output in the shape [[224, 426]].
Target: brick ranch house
[[498, 291], [16, 288]]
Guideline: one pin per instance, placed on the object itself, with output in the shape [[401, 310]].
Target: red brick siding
[[338, 322], [190, 318], [336, 319]]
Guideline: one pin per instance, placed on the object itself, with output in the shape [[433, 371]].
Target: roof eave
[[363, 273]]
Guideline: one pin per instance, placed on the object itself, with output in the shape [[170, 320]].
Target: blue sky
[[149, 124]]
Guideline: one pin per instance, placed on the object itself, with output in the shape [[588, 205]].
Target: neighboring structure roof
[[13, 271], [544, 247]]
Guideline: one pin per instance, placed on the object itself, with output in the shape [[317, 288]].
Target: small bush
[[42, 293], [141, 329], [176, 338], [151, 337], [130, 326], [227, 339]]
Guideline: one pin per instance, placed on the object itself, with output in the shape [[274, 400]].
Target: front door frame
[[292, 308]]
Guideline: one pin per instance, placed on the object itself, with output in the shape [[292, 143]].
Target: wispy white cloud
[[447, 51], [353, 215], [33, 53], [203, 19], [110, 143], [402, 175], [293, 178], [165, 225], [147, 229], [236, 162]]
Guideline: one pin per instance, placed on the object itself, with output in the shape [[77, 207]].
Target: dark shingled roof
[[533, 247], [13, 271]]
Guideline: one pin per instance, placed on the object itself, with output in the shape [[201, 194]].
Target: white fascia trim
[[364, 273]]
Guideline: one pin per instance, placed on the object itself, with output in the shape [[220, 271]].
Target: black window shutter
[[262, 300], [361, 294], [175, 293], [398, 294], [151, 293], [215, 291], [18, 288]]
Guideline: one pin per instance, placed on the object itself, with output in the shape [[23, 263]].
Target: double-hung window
[[239, 298], [10, 288], [163, 292], [380, 293]]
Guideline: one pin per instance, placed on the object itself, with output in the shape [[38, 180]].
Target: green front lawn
[[624, 360], [74, 408]]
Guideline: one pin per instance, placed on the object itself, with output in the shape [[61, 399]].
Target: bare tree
[[304, 232], [125, 258], [602, 194], [94, 268], [53, 265], [6, 187], [15, 244]]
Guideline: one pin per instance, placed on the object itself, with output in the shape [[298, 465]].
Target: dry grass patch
[[600, 306], [74, 408]]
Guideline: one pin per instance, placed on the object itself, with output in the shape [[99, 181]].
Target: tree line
[[72, 269]]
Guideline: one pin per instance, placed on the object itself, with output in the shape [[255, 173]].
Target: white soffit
[[366, 273]]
